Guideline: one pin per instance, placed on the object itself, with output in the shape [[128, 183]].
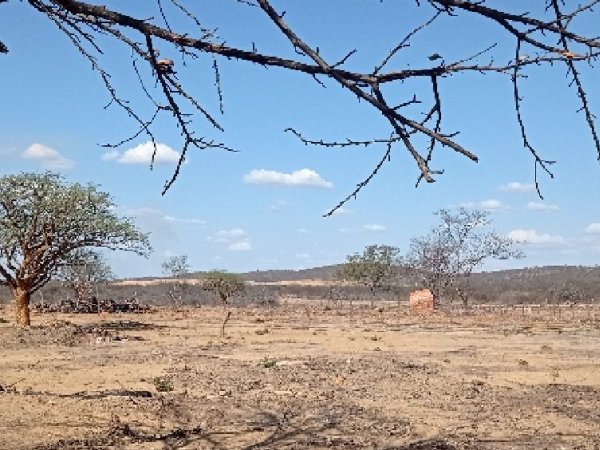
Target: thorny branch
[[549, 37]]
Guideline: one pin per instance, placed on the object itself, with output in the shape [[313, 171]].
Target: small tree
[[446, 257], [84, 270], [43, 220], [570, 292], [176, 267], [376, 267], [225, 285]]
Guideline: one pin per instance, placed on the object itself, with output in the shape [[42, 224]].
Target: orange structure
[[421, 301]]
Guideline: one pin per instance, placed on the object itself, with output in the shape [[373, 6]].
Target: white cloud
[[242, 246], [234, 233], [537, 206], [156, 214], [491, 205], [228, 236], [593, 228], [518, 187], [533, 237], [298, 178], [142, 154], [375, 227], [111, 155], [303, 230], [47, 157], [186, 221]]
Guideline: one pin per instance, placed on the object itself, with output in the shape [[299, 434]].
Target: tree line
[[51, 229], [442, 261]]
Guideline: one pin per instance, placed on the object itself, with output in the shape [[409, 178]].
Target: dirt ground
[[299, 377]]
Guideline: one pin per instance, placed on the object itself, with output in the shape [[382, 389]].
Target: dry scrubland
[[299, 377]]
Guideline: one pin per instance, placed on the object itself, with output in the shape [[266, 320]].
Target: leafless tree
[[83, 270], [445, 258], [552, 35], [176, 268]]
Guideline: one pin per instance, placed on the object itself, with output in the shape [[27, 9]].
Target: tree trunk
[[227, 316], [436, 298], [464, 297], [22, 298]]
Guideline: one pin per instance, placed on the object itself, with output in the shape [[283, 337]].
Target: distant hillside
[[512, 279], [324, 273], [532, 284], [544, 273], [547, 282]]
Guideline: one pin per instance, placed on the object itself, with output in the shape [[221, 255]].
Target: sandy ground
[[298, 378]]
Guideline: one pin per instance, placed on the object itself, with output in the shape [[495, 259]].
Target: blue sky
[[261, 208]]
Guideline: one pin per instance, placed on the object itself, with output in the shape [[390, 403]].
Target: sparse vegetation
[[176, 268], [377, 267], [163, 384], [267, 362], [83, 271], [305, 377], [43, 220], [225, 285], [444, 259]]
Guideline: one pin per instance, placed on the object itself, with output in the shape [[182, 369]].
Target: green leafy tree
[[225, 285], [83, 270], [376, 267], [445, 258], [43, 220]]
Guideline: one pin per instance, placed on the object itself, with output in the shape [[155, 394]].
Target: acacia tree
[[176, 267], [83, 270], [225, 285], [408, 94], [446, 257], [43, 220], [376, 267]]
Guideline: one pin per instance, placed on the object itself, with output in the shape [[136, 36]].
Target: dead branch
[[550, 37]]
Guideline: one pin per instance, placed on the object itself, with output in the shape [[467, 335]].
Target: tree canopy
[[446, 257], [375, 267], [176, 266], [407, 95], [223, 283], [44, 219]]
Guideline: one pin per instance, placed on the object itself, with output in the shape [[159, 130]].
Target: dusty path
[[298, 378]]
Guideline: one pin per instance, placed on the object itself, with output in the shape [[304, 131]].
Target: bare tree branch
[[549, 37]]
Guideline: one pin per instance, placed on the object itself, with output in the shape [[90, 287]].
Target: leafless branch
[[550, 37]]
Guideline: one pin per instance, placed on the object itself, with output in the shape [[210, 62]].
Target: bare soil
[[299, 377]]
